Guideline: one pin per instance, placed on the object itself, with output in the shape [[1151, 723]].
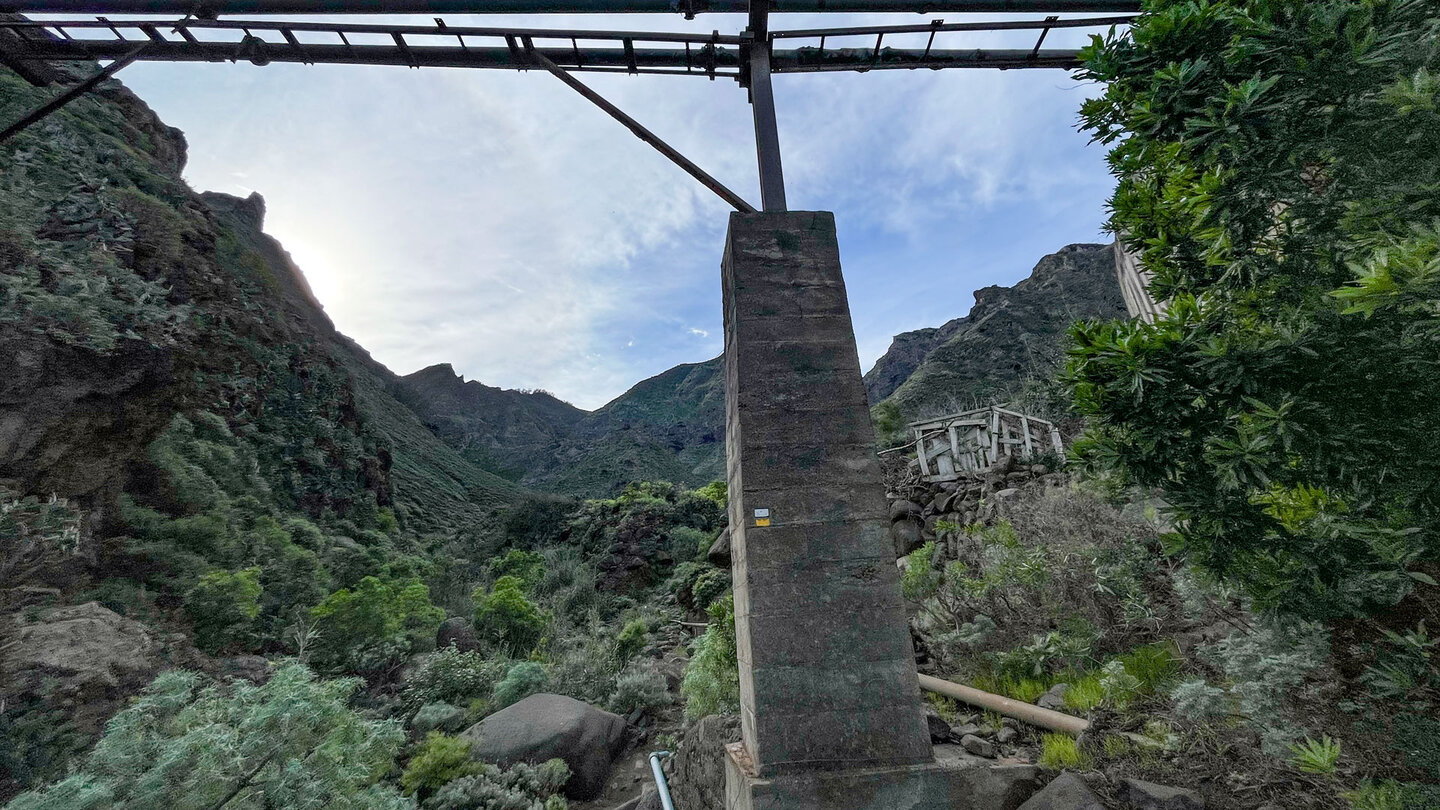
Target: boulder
[[719, 553], [545, 726], [84, 657], [1065, 792], [1006, 494], [457, 632], [907, 537], [902, 509], [697, 773], [939, 729], [1149, 796], [1054, 699], [978, 746], [253, 668]]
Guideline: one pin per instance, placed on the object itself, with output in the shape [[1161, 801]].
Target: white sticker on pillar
[[762, 517]]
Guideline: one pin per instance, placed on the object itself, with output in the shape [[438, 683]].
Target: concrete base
[[930, 786]]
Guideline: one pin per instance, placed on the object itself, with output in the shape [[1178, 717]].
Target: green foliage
[[521, 787], [451, 676], [526, 566], [1315, 756], [717, 491], [632, 639], [523, 680], [506, 618], [1085, 693], [1418, 738], [1373, 795], [1276, 173], [441, 759], [375, 627], [1061, 752], [39, 538], [293, 742], [438, 717], [640, 687], [1406, 668], [223, 607], [712, 676]]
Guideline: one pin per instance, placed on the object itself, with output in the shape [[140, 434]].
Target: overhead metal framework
[[31, 47]]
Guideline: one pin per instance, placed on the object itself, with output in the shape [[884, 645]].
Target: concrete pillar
[[827, 672]]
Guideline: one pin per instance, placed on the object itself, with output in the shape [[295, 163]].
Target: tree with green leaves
[[506, 618], [188, 745], [223, 607], [375, 627], [1277, 175]]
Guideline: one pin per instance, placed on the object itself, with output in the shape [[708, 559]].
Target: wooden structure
[[974, 441]]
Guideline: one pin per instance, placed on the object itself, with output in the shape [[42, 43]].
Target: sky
[[499, 222]]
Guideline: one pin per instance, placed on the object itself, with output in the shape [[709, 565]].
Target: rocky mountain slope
[[672, 426], [1009, 334]]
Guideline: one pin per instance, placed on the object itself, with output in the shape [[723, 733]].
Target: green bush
[[1277, 177], [506, 618], [441, 759], [223, 607], [293, 742], [374, 628], [527, 566], [639, 687], [520, 787], [523, 680], [632, 639], [712, 676], [452, 676], [438, 717], [1062, 752]]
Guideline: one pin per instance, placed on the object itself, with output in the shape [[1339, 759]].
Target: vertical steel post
[[762, 102]]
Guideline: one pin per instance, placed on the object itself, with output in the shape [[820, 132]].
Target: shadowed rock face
[[1011, 332]]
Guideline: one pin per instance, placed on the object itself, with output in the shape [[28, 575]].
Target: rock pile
[[923, 512]]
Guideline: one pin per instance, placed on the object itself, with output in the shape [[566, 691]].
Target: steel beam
[[210, 8], [640, 131], [648, 60], [39, 113]]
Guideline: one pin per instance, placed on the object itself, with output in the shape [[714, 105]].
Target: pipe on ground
[[1024, 712]]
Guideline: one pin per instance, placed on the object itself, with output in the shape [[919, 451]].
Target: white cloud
[[500, 222]]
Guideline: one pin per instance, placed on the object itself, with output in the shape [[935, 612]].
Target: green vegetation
[[507, 619], [223, 607], [1062, 752], [712, 680], [1276, 172], [376, 627], [441, 759], [1316, 756], [293, 742]]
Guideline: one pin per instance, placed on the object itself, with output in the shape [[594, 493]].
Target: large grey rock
[[697, 778], [719, 553], [902, 509], [83, 657], [457, 632], [1149, 796], [545, 726], [1065, 792], [906, 536]]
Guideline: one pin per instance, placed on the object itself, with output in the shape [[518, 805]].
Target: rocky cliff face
[[1010, 333]]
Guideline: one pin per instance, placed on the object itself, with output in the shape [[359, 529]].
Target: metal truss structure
[[31, 47]]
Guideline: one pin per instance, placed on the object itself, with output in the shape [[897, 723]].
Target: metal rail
[[211, 8]]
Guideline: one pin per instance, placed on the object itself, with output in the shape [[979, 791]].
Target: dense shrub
[[712, 676], [452, 676], [523, 680], [506, 618], [520, 787], [374, 628], [638, 688], [223, 607], [440, 760], [293, 742], [1277, 175]]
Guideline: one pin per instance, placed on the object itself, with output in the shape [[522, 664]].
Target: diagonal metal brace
[[40, 113], [640, 131]]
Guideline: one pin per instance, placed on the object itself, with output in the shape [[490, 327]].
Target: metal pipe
[[661, 786], [649, 60], [1034, 715], [937, 26], [231, 7], [39, 113], [641, 132]]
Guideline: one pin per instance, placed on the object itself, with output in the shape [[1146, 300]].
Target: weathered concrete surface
[[827, 674], [929, 786]]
